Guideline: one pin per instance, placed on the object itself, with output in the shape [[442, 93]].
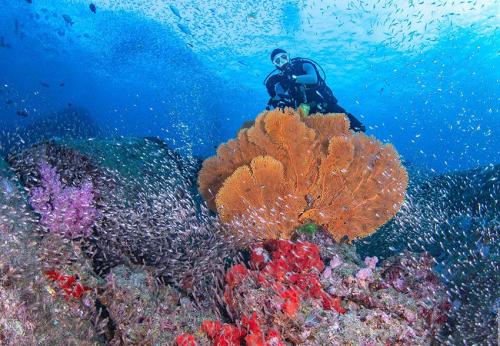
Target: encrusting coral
[[285, 171], [314, 291]]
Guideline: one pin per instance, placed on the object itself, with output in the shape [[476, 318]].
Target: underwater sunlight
[[290, 172]]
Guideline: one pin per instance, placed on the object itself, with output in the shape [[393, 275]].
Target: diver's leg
[[356, 125], [335, 108]]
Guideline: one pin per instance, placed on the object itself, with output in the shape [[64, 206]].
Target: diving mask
[[281, 60]]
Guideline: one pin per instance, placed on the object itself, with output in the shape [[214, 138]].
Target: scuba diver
[[299, 84]]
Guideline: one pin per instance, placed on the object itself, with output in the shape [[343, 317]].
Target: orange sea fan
[[216, 169], [258, 197], [328, 126], [285, 170], [358, 191]]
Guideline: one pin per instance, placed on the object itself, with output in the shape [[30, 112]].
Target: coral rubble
[[158, 312]]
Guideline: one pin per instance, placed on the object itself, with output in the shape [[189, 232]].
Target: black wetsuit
[[318, 96]]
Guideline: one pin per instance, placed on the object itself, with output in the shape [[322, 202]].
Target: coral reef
[[16, 325], [34, 309], [51, 293], [288, 296], [285, 171], [73, 168], [158, 312], [285, 280], [454, 217], [67, 211], [42, 306], [148, 214], [158, 268]]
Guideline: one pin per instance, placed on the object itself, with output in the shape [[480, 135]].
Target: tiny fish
[[45, 85], [51, 291], [7, 186], [22, 113], [184, 29], [175, 11], [29, 1], [92, 7], [68, 19], [3, 44], [16, 27]]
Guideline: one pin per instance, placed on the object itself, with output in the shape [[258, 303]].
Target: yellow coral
[[284, 171]]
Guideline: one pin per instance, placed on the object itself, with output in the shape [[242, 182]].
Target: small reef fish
[[184, 29], [16, 27], [3, 44], [68, 19], [175, 11], [45, 85], [22, 113], [7, 186], [92, 7]]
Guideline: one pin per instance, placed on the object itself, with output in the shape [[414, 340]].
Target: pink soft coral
[[66, 211]]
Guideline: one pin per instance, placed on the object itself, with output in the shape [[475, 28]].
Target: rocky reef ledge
[[155, 267]]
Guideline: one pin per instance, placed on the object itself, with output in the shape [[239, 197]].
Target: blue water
[[423, 75], [420, 74]]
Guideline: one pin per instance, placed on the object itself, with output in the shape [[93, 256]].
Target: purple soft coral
[[67, 211]]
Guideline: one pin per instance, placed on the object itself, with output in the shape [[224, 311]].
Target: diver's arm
[[310, 77], [276, 95]]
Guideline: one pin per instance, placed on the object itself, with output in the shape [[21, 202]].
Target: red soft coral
[[68, 284], [285, 274], [236, 274], [255, 334], [292, 302], [223, 334], [185, 340]]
